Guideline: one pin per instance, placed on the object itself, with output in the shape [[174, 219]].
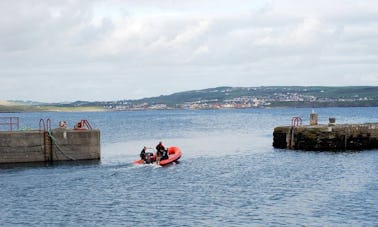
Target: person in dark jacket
[[143, 153], [160, 150], [160, 146]]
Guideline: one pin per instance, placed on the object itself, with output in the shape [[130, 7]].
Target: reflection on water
[[48, 164]]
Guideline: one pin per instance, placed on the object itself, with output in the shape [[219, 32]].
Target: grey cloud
[[114, 46]]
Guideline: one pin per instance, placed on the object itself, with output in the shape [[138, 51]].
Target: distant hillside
[[224, 97], [224, 93], [274, 96]]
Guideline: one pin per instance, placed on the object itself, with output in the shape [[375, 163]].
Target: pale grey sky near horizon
[[54, 51]]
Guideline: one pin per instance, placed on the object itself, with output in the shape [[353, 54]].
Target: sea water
[[229, 174]]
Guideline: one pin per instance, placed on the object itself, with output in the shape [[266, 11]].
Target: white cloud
[[132, 49]]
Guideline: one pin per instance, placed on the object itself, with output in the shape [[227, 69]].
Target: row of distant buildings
[[239, 102]]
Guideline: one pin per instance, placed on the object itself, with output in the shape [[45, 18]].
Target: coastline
[[25, 109]]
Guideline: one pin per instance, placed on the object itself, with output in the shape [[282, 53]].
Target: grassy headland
[[31, 108]]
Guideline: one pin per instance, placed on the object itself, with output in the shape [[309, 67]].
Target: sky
[[99, 50]]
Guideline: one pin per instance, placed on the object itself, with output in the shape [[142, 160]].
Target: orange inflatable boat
[[174, 154]]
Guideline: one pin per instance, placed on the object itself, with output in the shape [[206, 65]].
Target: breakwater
[[49, 145], [326, 137]]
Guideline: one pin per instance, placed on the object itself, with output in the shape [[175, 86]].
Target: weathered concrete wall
[[326, 137], [22, 146], [75, 144], [38, 146]]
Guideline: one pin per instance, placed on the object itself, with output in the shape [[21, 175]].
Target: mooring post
[[313, 119]]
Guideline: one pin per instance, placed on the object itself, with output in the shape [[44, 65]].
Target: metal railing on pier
[[9, 123]]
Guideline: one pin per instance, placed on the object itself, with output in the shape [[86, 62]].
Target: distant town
[[222, 98], [255, 97]]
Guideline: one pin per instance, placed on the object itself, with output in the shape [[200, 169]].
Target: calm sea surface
[[229, 174]]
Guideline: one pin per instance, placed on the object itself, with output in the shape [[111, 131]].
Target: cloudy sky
[[71, 50]]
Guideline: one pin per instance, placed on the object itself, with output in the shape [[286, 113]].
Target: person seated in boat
[[143, 153], [165, 154], [147, 157]]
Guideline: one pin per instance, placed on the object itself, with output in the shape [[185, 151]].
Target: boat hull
[[174, 154]]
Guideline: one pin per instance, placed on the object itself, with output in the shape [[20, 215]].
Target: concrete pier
[[59, 144], [330, 137]]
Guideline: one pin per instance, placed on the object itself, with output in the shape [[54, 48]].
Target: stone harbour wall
[[59, 144], [327, 137]]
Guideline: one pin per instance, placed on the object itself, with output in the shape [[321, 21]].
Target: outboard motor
[[148, 158]]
